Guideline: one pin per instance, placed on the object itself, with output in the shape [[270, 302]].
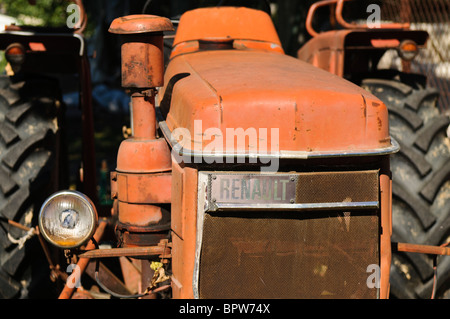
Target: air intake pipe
[[141, 184]]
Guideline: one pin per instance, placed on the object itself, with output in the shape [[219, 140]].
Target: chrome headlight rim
[[93, 215]]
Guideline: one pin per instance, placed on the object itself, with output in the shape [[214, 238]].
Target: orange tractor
[[248, 173]]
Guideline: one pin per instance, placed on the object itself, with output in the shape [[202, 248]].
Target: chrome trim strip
[[187, 153], [201, 208], [294, 206]]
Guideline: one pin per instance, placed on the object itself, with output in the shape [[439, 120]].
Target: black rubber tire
[[29, 135], [421, 184]]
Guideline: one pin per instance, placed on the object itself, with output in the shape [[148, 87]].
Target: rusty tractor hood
[[213, 98]]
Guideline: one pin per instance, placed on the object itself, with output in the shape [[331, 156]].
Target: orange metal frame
[[339, 6], [327, 50]]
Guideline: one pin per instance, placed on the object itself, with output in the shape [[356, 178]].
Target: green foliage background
[[47, 13], [51, 12]]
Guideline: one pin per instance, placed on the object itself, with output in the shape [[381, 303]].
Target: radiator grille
[[337, 187], [288, 254], [278, 256]]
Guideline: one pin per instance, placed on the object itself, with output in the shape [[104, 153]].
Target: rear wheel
[[29, 157], [421, 184]]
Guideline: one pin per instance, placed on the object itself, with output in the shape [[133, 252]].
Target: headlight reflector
[[67, 219]]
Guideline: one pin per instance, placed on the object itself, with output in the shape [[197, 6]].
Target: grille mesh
[[281, 254], [337, 187], [288, 255]]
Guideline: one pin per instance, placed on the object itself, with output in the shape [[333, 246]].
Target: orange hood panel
[[314, 111]]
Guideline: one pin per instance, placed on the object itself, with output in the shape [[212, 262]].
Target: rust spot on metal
[[364, 106], [379, 124]]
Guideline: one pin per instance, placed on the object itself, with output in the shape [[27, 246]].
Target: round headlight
[[408, 50], [67, 219]]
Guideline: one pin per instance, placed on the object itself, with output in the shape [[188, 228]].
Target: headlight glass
[[67, 219]]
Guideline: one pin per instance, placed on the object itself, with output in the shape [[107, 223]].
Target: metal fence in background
[[432, 16]]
